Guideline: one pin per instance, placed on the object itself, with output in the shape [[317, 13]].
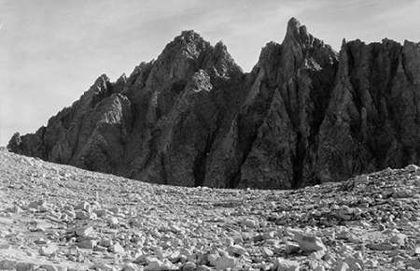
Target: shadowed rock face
[[373, 116], [302, 116]]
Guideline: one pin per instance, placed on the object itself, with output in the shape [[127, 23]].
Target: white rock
[[85, 231], [41, 241], [203, 268], [250, 223], [85, 206], [399, 239], [7, 265], [100, 212], [82, 214], [212, 258], [417, 249], [269, 235], [342, 266], [130, 267], [362, 178], [86, 243], [154, 265], [5, 246], [106, 242], [345, 213], [267, 252], [48, 250], [189, 266], [117, 248], [286, 265], [307, 242], [236, 250], [24, 266], [15, 209], [412, 167], [49, 267], [115, 209], [225, 262], [292, 247]]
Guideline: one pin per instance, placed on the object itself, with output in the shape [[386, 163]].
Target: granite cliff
[[304, 115]]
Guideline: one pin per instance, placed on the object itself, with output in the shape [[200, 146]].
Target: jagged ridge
[[302, 116]]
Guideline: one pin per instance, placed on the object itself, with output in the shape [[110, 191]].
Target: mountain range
[[304, 115]]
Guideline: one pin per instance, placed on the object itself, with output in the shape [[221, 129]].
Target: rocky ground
[[55, 217]]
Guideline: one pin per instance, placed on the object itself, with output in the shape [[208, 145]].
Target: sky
[[51, 51]]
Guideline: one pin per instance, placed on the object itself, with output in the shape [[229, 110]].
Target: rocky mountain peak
[[219, 62], [101, 82], [188, 43], [193, 118], [189, 36], [296, 31]]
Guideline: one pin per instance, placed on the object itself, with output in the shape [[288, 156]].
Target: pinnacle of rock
[[296, 31]]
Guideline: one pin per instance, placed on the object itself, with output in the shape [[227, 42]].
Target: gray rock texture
[[304, 115]]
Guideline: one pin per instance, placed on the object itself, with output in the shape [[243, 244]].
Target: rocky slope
[[58, 217], [304, 115]]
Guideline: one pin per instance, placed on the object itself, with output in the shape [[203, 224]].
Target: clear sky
[[51, 51]]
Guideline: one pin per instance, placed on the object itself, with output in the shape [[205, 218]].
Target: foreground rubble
[[55, 217]]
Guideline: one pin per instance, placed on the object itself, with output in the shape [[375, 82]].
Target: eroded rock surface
[[304, 115]]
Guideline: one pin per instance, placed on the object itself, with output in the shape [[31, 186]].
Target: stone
[[189, 266], [100, 212], [414, 263], [267, 252], [15, 209], [113, 221], [342, 266], [212, 258], [308, 243], [130, 267], [291, 248], [398, 239], [225, 262], [383, 246], [82, 214], [203, 268], [87, 243], [23, 266], [85, 231], [154, 265], [40, 205], [115, 209], [372, 263], [85, 206], [41, 241], [106, 242], [281, 264], [345, 213], [117, 248], [48, 250], [102, 267], [250, 223], [49, 267], [236, 250], [412, 167]]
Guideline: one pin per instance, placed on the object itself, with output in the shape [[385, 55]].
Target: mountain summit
[[304, 115]]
